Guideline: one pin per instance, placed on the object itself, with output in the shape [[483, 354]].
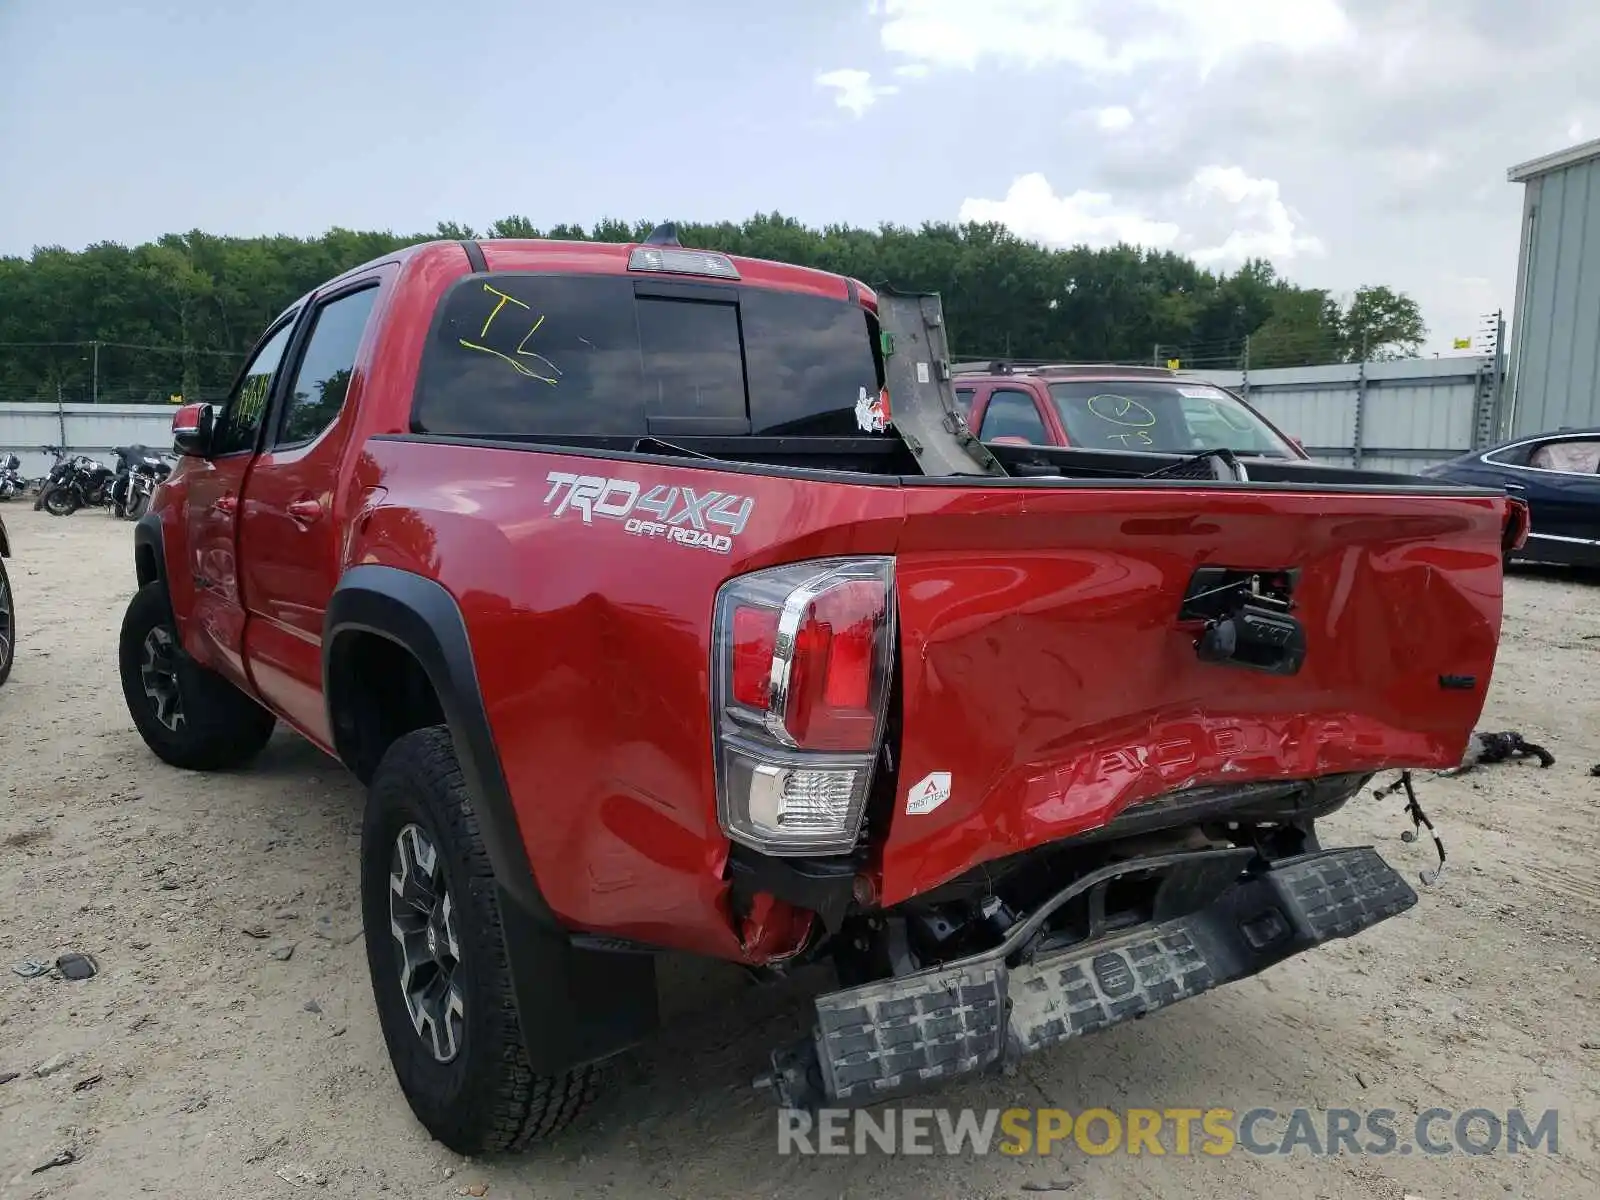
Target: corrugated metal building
[[1555, 336]]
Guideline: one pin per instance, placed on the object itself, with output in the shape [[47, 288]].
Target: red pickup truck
[[663, 600]]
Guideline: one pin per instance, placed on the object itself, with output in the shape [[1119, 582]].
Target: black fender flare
[[149, 546], [576, 1003], [5, 542]]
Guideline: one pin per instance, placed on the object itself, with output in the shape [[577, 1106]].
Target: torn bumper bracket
[[884, 1039]]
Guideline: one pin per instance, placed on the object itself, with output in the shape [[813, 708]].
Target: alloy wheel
[[422, 922], [158, 675]]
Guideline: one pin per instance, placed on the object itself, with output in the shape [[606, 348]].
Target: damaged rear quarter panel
[[591, 636]]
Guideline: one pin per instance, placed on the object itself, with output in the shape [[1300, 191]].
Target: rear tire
[[450, 1022], [191, 717], [60, 502]]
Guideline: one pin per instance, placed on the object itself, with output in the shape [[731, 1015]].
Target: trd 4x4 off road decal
[[675, 514]]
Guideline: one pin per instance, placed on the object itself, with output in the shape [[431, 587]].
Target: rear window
[[1162, 417], [547, 356]]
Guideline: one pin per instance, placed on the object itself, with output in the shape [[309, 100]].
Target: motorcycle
[[77, 482], [56, 474], [128, 460], [139, 473], [11, 481]]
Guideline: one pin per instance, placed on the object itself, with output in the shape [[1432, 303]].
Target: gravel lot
[[232, 1065]]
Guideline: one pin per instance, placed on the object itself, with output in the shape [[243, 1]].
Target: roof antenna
[[665, 234]]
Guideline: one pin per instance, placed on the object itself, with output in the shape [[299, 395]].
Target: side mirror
[[191, 430]]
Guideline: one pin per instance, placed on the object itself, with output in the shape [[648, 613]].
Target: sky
[[1350, 142]]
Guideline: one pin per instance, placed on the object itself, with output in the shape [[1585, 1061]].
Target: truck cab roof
[[619, 258]]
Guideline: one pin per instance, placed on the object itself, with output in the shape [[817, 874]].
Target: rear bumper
[[884, 1039]]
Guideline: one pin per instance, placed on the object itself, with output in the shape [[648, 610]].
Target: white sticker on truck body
[[928, 794], [706, 520]]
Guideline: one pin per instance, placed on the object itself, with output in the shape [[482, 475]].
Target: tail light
[[1519, 522], [803, 660]]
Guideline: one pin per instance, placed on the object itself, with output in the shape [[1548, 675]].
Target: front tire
[[437, 958], [8, 625], [60, 502], [191, 717]]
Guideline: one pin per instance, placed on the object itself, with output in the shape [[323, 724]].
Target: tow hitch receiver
[[884, 1039]]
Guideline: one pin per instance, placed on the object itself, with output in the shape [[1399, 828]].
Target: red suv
[[1107, 407]]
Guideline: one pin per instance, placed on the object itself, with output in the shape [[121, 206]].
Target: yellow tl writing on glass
[[522, 351]]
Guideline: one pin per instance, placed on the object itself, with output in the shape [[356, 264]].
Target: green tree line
[[176, 315]]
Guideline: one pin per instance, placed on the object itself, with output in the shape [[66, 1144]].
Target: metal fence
[[1384, 416], [1387, 416], [82, 428]]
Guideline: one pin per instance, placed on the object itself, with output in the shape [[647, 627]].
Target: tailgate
[[1048, 673]]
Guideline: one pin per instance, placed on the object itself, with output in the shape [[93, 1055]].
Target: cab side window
[[240, 426], [317, 393], [1013, 414]]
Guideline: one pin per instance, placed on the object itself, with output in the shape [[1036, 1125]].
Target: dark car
[[8, 619], [1558, 474]]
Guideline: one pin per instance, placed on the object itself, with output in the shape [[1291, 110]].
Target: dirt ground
[[232, 1065]]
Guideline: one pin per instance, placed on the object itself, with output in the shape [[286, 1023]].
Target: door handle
[[304, 512], [226, 505], [1516, 487]]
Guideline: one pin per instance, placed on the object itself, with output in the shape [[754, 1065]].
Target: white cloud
[[1378, 131], [1031, 209], [854, 90], [1100, 37], [913, 70], [1263, 226], [1113, 119], [1226, 216]]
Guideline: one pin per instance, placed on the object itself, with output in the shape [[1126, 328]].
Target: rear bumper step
[[884, 1039]]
